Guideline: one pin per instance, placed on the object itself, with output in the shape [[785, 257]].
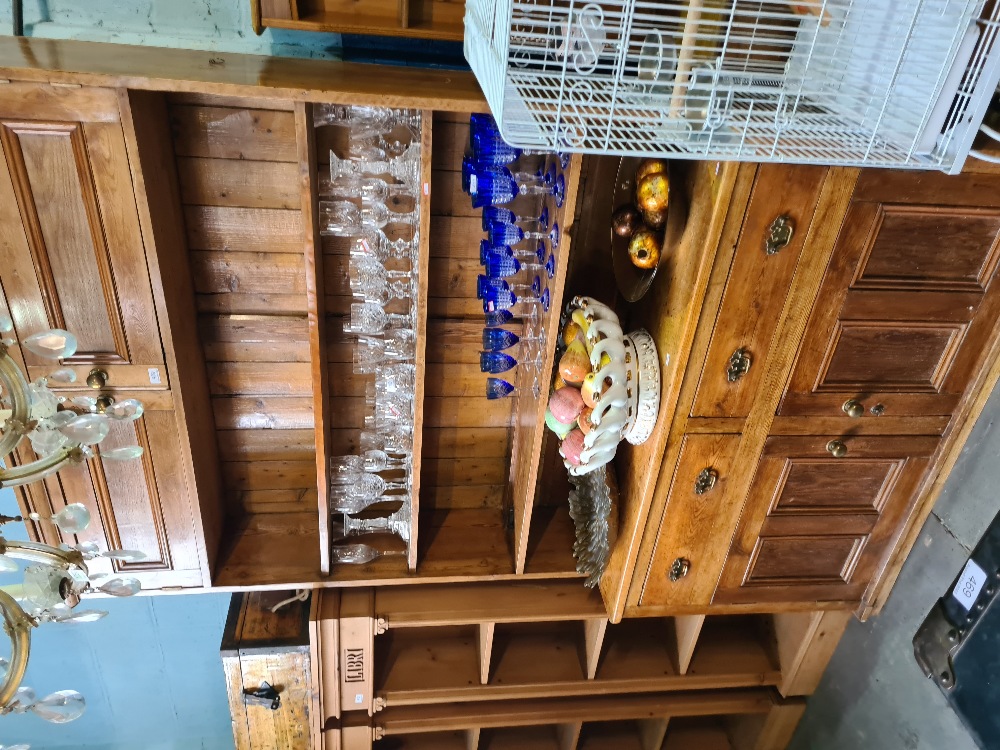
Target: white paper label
[[969, 583], [154, 375], [359, 698], [473, 184], [427, 189]]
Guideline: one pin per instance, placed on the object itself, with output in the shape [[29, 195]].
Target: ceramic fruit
[[652, 192], [644, 249], [561, 430], [558, 382], [655, 219], [583, 421], [625, 220], [572, 447], [570, 331], [581, 320], [650, 166], [566, 404], [590, 391], [574, 364]]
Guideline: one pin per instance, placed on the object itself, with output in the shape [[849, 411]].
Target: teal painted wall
[[217, 25], [150, 672]]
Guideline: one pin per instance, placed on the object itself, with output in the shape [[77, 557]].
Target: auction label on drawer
[[969, 583]]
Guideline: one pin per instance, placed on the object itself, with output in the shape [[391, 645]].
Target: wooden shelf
[[423, 19]]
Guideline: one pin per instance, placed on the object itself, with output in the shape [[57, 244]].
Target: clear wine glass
[[373, 243], [369, 278], [356, 186], [371, 318], [397, 523], [396, 379], [397, 442], [405, 167], [358, 553], [372, 352], [378, 119]]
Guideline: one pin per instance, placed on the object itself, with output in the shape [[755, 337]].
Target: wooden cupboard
[[829, 337], [421, 19]]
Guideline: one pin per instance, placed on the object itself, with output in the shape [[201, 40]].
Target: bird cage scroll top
[[895, 83]]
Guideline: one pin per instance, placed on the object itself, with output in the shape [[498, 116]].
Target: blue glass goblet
[[499, 267], [498, 318], [496, 362], [506, 216], [498, 388], [498, 339], [486, 249], [510, 234]]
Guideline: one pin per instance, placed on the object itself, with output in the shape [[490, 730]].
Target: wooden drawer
[[907, 305], [756, 290], [815, 527], [695, 524], [263, 646]]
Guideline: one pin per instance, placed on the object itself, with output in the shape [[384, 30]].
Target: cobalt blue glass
[[498, 339], [503, 215], [499, 318], [506, 251], [489, 149], [496, 362], [487, 186], [498, 388], [499, 267]]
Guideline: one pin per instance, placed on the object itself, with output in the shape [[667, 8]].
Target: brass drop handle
[[103, 402], [853, 408], [679, 569], [705, 480], [779, 234], [739, 364], [837, 448], [97, 379]]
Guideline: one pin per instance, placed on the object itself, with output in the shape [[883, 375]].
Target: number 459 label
[[969, 583]]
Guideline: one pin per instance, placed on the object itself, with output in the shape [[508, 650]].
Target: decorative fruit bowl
[[607, 387]]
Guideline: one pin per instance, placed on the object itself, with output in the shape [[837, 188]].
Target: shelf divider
[[484, 643], [687, 628], [652, 732], [305, 142], [594, 630], [472, 738], [568, 734], [420, 349], [528, 419]]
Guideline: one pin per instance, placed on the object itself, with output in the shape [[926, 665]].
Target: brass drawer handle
[[779, 234], [837, 448], [853, 408], [679, 569], [739, 364], [706, 480], [97, 379], [103, 402]]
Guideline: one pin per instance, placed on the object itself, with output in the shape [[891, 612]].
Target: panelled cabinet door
[[141, 503], [908, 302], [70, 235], [815, 526]]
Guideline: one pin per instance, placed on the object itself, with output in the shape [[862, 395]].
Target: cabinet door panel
[[816, 527], [76, 255], [906, 309]]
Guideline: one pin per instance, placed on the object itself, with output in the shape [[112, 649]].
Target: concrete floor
[[873, 694]]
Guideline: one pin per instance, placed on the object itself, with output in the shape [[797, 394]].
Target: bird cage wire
[[893, 83]]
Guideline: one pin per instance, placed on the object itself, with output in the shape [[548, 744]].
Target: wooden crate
[[262, 646]]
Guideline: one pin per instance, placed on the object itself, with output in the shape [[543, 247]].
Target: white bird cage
[[892, 83]]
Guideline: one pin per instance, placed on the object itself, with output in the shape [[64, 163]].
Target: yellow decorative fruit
[[644, 249], [649, 166], [583, 421], [570, 331], [652, 192], [574, 364]]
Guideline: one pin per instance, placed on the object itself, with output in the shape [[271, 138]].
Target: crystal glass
[[498, 339], [360, 117], [496, 362], [63, 375], [397, 523], [502, 298], [126, 410], [371, 318], [393, 433], [353, 186], [373, 243], [368, 486], [87, 429], [501, 233], [506, 216], [487, 143], [358, 553], [398, 442], [346, 219], [405, 167], [499, 267], [498, 388], [125, 453], [487, 287], [496, 186], [60, 707], [372, 352], [81, 615], [396, 379], [486, 249], [6, 324], [499, 318], [8, 565], [53, 344], [378, 461], [90, 551], [369, 279]]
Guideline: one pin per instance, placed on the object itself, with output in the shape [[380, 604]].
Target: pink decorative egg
[[572, 447], [566, 404]]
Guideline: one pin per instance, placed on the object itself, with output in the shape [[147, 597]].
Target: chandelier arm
[[17, 626], [40, 468], [20, 396], [36, 552]]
